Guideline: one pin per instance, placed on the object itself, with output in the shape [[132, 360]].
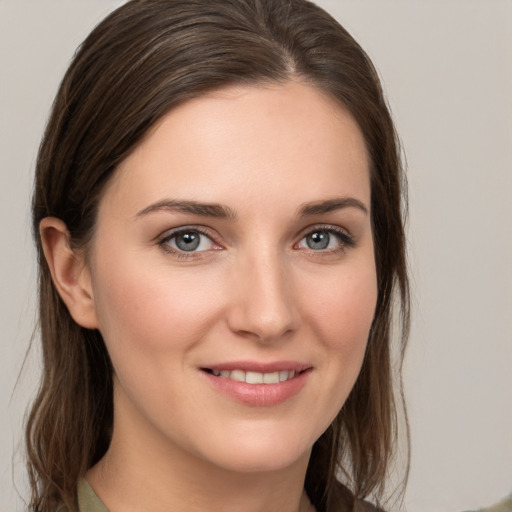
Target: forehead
[[287, 141]]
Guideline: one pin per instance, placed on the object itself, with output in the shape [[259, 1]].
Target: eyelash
[[164, 241], [346, 240]]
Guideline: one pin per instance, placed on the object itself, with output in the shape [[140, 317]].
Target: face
[[233, 276]]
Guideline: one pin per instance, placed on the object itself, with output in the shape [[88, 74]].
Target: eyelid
[[163, 239], [347, 240], [324, 227], [188, 227]]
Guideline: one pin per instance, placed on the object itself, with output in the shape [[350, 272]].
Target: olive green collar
[[87, 499]]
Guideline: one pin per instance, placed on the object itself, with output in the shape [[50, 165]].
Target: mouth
[[258, 384], [254, 377]]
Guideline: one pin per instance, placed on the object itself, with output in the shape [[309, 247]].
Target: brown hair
[[141, 61]]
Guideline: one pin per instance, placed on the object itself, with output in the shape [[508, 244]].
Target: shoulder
[[344, 501], [504, 505], [365, 506], [87, 499]]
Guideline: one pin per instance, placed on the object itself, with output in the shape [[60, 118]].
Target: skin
[[254, 290]]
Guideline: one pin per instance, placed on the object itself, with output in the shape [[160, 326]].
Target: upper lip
[[260, 367]]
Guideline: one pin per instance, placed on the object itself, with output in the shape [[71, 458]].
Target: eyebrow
[[219, 211], [192, 207], [330, 205]]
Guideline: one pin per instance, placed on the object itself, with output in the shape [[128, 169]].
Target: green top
[[89, 502], [87, 499], [504, 505]]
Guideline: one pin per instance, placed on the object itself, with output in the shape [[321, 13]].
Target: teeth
[[256, 377], [253, 378], [238, 375], [271, 378]]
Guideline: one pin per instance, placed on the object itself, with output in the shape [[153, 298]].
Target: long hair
[[144, 59]]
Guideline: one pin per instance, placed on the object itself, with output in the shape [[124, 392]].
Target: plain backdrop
[[447, 69]]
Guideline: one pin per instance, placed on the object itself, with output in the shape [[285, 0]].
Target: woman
[[217, 211]]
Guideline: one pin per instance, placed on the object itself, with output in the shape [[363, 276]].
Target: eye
[[188, 241], [326, 239]]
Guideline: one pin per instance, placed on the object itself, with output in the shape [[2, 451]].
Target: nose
[[263, 304]]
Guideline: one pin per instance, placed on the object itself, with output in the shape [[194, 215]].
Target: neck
[[126, 483], [143, 471]]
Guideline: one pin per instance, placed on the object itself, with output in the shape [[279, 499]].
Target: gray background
[[447, 69]]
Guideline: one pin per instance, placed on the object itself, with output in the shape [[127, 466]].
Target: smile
[[254, 377], [258, 384]]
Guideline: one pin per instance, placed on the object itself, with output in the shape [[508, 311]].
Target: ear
[[69, 272]]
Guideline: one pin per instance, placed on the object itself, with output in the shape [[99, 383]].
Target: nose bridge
[[264, 303]]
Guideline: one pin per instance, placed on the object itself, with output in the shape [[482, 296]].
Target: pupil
[[188, 241], [318, 240]]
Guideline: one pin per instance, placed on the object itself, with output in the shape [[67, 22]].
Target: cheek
[[149, 310], [343, 309], [341, 313]]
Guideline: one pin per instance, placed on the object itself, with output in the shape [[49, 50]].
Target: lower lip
[[262, 395]]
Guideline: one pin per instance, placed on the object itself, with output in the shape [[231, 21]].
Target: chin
[[259, 453], [266, 462]]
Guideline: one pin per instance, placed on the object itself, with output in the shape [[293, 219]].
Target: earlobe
[[69, 272]]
